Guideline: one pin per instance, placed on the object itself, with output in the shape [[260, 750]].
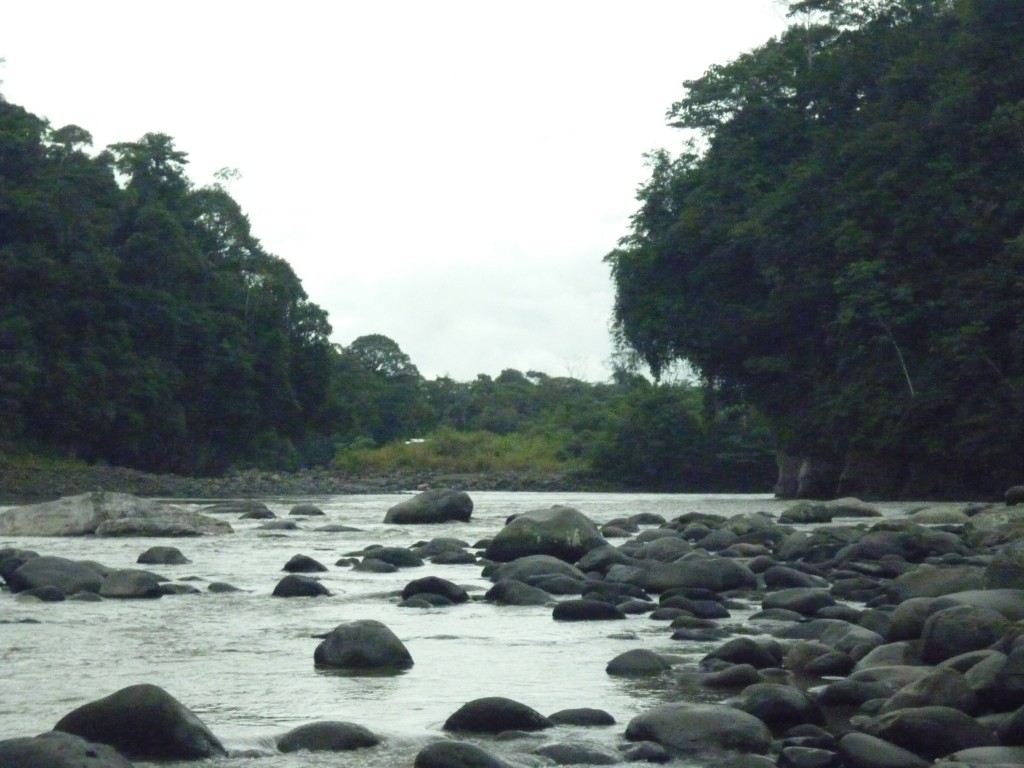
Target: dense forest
[[841, 245], [143, 325]]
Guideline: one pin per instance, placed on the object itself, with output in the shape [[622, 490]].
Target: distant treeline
[[143, 325]]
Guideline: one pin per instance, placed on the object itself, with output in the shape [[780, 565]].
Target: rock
[[586, 610], [560, 531], [363, 646], [780, 706], [1006, 569], [527, 568], [130, 584], [279, 525], [456, 754], [306, 509], [495, 714], [838, 634], [249, 508], [69, 576], [162, 556], [578, 753], [940, 687], [143, 722], [400, 557], [806, 512], [327, 736], [303, 564], [859, 750], [962, 628], [979, 757], [47, 594], [718, 574], [849, 506], [294, 585], [639, 662], [434, 506], [512, 592], [732, 676], [930, 731], [932, 581], [373, 565], [581, 716], [59, 750], [106, 514], [700, 729], [1014, 495], [437, 586], [1009, 602], [995, 526], [759, 653], [803, 600]]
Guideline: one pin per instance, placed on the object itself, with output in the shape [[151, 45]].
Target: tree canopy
[[842, 242]]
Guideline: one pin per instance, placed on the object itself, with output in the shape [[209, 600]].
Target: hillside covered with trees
[[842, 245], [143, 325]]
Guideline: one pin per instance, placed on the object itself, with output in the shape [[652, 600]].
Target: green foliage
[[843, 249]]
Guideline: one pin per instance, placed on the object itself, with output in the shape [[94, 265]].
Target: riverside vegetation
[[837, 254]]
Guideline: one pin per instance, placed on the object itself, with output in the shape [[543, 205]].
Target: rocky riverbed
[[869, 640]]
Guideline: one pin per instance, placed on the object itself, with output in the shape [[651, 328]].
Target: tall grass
[[461, 452]]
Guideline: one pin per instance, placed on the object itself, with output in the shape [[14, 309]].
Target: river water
[[243, 661]]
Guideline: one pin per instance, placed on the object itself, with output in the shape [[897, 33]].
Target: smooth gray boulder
[[495, 714], [69, 576], [363, 646], [107, 514], [638, 662], [780, 706], [328, 736], [699, 729], [307, 509], [436, 506], [578, 753], [303, 564], [560, 531], [527, 569], [931, 731], [131, 584], [456, 754], [143, 722], [586, 610], [718, 574], [959, 629], [162, 556], [296, 585], [859, 750], [59, 750], [437, 586], [512, 592]]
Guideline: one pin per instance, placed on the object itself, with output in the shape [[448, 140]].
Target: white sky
[[449, 173]]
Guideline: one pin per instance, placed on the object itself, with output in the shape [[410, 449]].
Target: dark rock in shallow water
[[940, 687], [294, 585], [512, 592], [578, 753], [582, 716], [639, 662], [303, 564], [526, 568], [561, 532], [59, 750], [456, 754], [930, 731], [46, 594], [306, 509], [700, 729], [780, 706], [69, 576], [859, 750], [129, 584], [328, 736], [494, 714], [400, 557], [438, 586], [373, 565], [434, 506], [953, 631], [143, 722], [757, 652], [162, 556], [363, 646], [586, 610]]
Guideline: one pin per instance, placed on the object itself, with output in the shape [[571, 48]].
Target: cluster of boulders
[[842, 638]]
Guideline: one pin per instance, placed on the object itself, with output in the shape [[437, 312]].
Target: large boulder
[[107, 514], [363, 646], [718, 574], [59, 750], [69, 576], [959, 629], [1006, 569], [328, 736], [494, 714], [143, 722], [531, 568], [930, 731], [698, 729], [563, 532], [456, 754], [131, 583], [436, 506]]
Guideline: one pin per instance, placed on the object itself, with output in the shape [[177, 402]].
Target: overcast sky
[[449, 173]]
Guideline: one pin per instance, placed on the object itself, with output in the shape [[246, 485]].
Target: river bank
[[28, 481]]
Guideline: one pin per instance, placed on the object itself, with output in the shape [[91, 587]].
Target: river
[[243, 661]]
